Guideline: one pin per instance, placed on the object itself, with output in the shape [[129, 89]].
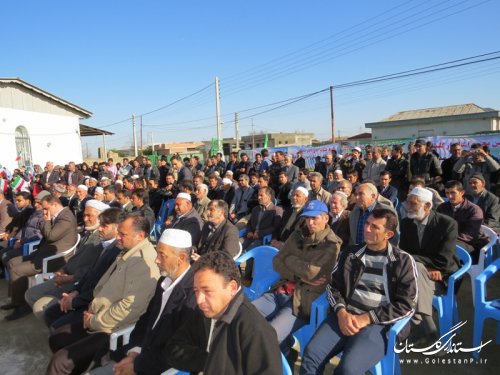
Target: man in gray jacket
[[43, 295]]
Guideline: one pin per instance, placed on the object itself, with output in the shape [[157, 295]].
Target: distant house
[[248, 142], [441, 121], [37, 126]]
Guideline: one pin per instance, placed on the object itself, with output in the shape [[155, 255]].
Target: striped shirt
[[370, 292]]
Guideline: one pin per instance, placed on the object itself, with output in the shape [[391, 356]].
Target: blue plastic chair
[[286, 367], [319, 311], [485, 309], [29, 247], [485, 257], [166, 209], [446, 304], [390, 363], [264, 276], [10, 243], [266, 240]]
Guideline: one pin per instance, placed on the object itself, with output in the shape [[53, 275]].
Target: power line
[[348, 85], [407, 74], [323, 56], [389, 77], [160, 108]]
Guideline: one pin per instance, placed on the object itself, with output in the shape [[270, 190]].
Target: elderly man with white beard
[[41, 296], [431, 238], [172, 304]]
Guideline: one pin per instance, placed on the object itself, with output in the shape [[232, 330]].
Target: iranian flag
[[17, 183], [18, 158], [3, 185]]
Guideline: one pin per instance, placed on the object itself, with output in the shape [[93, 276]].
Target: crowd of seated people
[[402, 213]]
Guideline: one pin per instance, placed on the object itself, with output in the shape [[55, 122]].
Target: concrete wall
[[434, 129], [53, 137]]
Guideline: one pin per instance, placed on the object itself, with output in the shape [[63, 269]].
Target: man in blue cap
[[305, 264]]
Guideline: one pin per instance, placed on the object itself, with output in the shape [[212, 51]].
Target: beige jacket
[[307, 258], [122, 294]]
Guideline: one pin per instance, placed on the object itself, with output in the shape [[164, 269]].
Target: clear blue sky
[[115, 58]]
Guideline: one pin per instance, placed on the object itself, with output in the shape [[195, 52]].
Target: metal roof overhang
[[88, 131]]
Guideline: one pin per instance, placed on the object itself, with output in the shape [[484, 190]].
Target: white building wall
[[53, 137], [436, 129]]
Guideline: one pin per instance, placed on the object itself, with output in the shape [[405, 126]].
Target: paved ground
[[24, 349]]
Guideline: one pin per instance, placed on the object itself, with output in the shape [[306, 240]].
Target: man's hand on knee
[[346, 323]]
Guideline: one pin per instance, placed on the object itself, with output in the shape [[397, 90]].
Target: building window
[[23, 146]]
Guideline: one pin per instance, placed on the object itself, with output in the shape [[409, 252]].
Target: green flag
[[265, 141]]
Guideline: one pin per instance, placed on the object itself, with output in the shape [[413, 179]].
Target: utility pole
[[133, 135], [217, 114], [253, 137], [237, 131], [142, 150], [331, 114], [152, 145], [87, 147], [104, 144]]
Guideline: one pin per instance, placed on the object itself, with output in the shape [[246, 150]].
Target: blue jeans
[[360, 352], [277, 309]]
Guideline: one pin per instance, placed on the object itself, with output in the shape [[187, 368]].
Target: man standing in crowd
[[300, 162], [374, 166], [476, 161], [448, 164], [291, 170], [73, 175], [398, 166], [125, 169], [49, 176], [354, 163], [424, 163], [183, 172]]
